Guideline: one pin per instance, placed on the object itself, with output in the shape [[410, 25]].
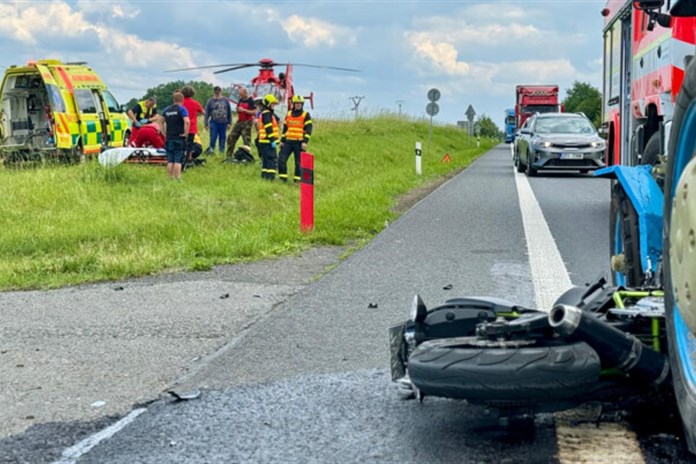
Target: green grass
[[63, 225]]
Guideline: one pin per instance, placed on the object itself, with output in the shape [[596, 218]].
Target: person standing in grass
[[218, 118], [246, 110], [267, 141], [176, 126], [297, 131], [194, 109]]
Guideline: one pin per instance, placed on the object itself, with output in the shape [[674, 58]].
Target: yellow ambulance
[[54, 109]]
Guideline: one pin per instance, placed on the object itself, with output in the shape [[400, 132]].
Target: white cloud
[[34, 24], [442, 54], [27, 23], [117, 11], [313, 32], [489, 35]]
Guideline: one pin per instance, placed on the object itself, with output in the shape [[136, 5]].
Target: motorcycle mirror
[[418, 309]]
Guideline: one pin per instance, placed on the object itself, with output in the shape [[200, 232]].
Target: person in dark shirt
[[268, 137], [176, 128], [143, 112]]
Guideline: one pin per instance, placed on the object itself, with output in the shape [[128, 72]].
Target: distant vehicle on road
[[558, 141], [532, 99], [510, 127]]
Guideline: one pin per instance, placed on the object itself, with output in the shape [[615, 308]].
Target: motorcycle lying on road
[[597, 342]]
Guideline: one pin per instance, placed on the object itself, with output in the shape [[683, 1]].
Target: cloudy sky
[[474, 52]]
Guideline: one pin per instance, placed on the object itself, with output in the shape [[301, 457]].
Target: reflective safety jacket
[[146, 112], [298, 126], [267, 125]]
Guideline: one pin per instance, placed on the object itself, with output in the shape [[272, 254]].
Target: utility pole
[[400, 102], [356, 103]]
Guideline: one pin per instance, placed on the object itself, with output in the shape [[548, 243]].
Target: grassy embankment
[[63, 225]]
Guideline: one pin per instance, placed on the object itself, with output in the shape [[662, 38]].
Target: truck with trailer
[[530, 99]]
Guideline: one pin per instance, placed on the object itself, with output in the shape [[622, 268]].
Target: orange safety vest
[[262, 129], [295, 125]]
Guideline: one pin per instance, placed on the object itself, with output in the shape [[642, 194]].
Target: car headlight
[[598, 144], [542, 143]]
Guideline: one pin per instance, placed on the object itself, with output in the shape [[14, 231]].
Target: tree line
[[163, 92]]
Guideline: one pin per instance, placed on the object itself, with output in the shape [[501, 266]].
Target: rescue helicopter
[[266, 81]]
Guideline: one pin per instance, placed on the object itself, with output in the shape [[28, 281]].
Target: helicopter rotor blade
[[203, 67], [233, 67], [262, 64], [272, 64], [325, 67]]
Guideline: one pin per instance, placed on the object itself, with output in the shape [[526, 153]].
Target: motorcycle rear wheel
[[509, 375]]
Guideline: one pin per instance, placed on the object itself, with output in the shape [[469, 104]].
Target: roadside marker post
[[419, 151], [306, 192]]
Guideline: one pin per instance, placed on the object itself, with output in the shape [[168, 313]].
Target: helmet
[[297, 99], [269, 99]]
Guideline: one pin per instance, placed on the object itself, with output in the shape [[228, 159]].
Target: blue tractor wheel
[[624, 240], [681, 338]]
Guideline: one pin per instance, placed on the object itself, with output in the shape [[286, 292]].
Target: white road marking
[[549, 274], [72, 454], [585, 443]]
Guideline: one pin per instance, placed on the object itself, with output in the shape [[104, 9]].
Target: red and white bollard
[[306, 192]]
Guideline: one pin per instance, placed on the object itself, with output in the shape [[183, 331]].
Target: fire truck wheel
[[623, 239], [504, 376], [652, 150], [682, 146]]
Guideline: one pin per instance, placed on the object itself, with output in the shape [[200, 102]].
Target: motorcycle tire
[[681, 340], [510, 375]]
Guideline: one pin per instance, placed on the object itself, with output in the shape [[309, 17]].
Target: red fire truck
[[644, 62], [530, 99], [649, 113]]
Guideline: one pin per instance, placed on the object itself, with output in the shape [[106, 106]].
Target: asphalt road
[[296, 370]]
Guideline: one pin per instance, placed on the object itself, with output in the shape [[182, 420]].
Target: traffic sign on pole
[[433, 95], [432, 108]]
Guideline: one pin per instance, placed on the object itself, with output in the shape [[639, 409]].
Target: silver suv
[[558, 141]]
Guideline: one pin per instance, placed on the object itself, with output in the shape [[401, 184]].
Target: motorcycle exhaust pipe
[[615, 348]]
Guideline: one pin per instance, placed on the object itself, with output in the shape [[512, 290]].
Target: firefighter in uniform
[[297, 131], [267, 128]]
